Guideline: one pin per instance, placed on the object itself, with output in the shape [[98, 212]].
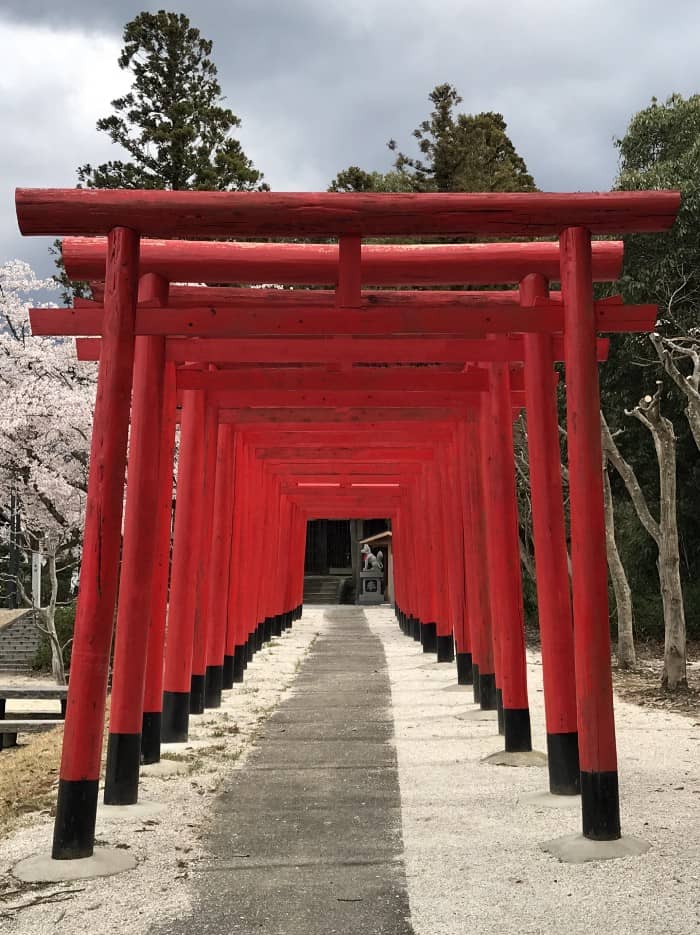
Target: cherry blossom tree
[[46, 403]]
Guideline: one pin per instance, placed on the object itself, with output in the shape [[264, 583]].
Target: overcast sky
[[323, 84]]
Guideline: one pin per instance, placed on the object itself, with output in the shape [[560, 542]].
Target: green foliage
[[463, 152], [65, 620], [172, 122], [458, 152], [354, 179], [660, 150]]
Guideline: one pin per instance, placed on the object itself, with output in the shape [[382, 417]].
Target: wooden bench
[[10, 728], [34, 693]]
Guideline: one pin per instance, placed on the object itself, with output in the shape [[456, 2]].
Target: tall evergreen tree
[[458, 152], [172, 122]]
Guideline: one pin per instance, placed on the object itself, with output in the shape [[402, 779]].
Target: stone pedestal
[[371, 587]]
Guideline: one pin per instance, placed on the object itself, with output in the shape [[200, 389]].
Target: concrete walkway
[[307, 837]]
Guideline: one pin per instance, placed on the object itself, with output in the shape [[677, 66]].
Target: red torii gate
[[482, 431]]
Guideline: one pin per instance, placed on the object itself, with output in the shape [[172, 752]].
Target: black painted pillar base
[[445, 647], [267, 629], [74, 827], [475, 683], [259, 635], [464, 668], [488, 699], [415, 625], [213, 685], [428, 637], [197, 684], [250, 647], [277, 625], [122, 769], [151, 726], [562, 760], [227, 673], [176, 717], [499, 709], [517, 730], [600, 805], [240, 660]]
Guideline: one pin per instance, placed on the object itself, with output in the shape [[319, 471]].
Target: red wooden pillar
[[463, 646], [417, 592], [153, 693], [201, 563], [236, 659], [219, 566], [549, 532], [504, 562], [74, 828], [138, 566], [186, 546], [596, 721], [450, 559], [425, 531], [476, 566]]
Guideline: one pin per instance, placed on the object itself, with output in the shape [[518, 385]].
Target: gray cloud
[[322, 84]]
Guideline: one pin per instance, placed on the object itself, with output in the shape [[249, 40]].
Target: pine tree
[[172, 123], [458, 152]]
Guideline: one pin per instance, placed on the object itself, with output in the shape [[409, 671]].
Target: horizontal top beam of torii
[[201, 215], [318, 264]]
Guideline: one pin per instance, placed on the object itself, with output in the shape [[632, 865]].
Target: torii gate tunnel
[[358, 399]]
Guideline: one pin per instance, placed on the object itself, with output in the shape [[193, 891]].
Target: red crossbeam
[[197, 214], [447, 318], [317, 264], [342, 350], [410, 379]]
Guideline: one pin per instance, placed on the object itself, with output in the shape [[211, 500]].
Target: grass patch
[[27, 776]]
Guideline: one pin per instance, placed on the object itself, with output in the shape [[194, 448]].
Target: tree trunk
[[49, 616], [674, 674], [664, 532], [626, 655], [688, 383]]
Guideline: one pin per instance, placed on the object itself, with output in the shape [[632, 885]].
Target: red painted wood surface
[[82, 743], [377, 416], [410, 349], [219, 563], [138, 565], [186, 545], [596, 722], [199, 214], [304, 469], [549, 526], [403, 320], [153, 695], [317, 264], [201, 558], [505, 580], [476, 566], [381, 379], [330, 454], [351, 399]]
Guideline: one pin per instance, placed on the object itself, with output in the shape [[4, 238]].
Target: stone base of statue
[[371, 587]]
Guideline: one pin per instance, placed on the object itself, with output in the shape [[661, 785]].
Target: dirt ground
[[642, 685]]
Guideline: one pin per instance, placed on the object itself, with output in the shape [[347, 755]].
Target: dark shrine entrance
[[333, 553]]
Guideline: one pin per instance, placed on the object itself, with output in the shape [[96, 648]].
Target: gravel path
[[168, 847], [471, 844], [471, 851]]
